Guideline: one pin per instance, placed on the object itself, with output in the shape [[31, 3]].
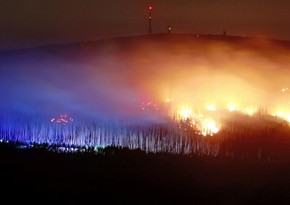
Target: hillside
[[180, 118]]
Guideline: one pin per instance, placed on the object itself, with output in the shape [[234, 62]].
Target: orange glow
[[205, 81], [231, 107], [211, 107], [282, 113], [249, 111], [209, 127], [185, 113], [204, 126]]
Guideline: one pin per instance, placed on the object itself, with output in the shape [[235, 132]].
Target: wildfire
[[202, 125], [282, 114], [185, 113], [249, 111], [231, 107], [211, 107], [209, 127], [208, 119]]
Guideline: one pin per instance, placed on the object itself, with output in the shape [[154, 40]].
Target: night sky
[[25, 23]]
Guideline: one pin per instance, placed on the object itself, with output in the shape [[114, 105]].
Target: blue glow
[[99, 134]]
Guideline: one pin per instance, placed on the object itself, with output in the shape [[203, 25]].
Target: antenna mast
[[150, 8]]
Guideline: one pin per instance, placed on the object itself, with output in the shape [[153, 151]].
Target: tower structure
[[150, 8]]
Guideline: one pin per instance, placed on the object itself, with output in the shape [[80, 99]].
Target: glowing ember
[[149, 106], [284, 89], [62, 119]]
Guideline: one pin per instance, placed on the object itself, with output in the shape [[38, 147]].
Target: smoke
[[146, 79], [197, 73]]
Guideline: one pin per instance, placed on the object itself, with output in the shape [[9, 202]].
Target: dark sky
[[33, 22]]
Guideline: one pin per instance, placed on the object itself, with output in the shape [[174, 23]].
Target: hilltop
[[162, 39]]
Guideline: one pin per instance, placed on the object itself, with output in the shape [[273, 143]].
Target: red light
[[150, 7]]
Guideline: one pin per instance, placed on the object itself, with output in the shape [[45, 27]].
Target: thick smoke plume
[[147, 78]]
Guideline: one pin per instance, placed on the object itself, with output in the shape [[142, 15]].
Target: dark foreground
[[123, 177]]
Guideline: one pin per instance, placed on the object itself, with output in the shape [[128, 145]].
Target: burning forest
[[177, 93]]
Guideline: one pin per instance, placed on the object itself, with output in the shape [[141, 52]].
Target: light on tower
[[150, 19]]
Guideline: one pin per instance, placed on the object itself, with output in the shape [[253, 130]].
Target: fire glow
[[62, 119], [192, 84]]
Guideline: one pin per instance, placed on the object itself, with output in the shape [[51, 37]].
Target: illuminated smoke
[[187, 79]]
